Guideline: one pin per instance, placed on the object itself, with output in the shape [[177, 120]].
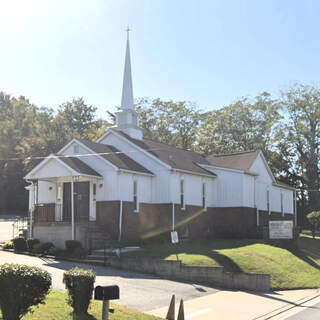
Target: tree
[[81, 118], [314, 220], [299, 139], [242, 126], [174, 123]]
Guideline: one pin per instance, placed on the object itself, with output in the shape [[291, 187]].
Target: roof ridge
[[233, 153]]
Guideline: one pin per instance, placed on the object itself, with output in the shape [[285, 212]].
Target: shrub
[[31, 243], [71, 245], [20, 244], [8, 245], [79, 253], [21, 288], [42, 247], [79, 283]]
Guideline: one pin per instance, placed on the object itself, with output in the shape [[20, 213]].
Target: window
[[204, 196], [135, 196], [94, 191], [75, 149], [59, 192], [268, 201], [281, 200], [182, 194]]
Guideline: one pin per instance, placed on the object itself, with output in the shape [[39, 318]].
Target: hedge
[[80, 284], [21, 288]]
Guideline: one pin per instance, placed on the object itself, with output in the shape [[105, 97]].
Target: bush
[[42, 248], [8, 245], [20, 244], [80, 284], [21, 288], [31, 243], [71, 245], [79, 253]]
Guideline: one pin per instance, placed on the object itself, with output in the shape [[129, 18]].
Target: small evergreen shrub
[[21, 288], [80, 284], [8, 245], [71, 245], [42, 248], [79, 253], [20, 244], [31, 242]]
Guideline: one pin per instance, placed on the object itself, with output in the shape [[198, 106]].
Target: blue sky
[[209, 52]]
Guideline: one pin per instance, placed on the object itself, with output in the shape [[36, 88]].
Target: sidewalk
[[229, 305]]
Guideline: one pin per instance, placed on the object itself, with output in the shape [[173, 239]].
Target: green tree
[[299, 140], [174, 123]]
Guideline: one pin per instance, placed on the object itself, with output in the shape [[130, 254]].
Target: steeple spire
[[127, 119], [127, 91]]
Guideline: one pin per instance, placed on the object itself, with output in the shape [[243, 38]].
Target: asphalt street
[[139, 291]]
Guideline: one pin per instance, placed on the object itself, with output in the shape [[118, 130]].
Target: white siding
[[52, 169], [160, 184], [144, 184], [192, 189], [47, 192], [227, 188], [248, 191], [263, 183], [107, 189]]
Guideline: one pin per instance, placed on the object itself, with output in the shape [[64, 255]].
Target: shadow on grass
[[309, 251], [83, 317]]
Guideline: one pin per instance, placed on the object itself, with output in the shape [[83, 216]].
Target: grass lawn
[[56, 308], [289, 270]]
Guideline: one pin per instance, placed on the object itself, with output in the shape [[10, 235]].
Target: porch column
[[72, 211]]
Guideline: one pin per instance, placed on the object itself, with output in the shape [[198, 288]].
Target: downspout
[[173, 217], [72, 211], [295, 208], [255, 203], [32, 208], [120, 221]]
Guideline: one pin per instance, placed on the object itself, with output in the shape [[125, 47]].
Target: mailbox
[[107, 293]]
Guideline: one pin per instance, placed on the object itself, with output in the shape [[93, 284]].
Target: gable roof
[[115, 156], [79, 166], [176, 158], [240, 161]]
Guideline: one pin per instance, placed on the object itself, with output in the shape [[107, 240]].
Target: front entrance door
[[81, 201]]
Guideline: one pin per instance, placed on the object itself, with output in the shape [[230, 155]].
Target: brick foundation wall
[[153, 220]]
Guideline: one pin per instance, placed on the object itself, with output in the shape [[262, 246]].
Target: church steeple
[[127, 92], [127, 118]]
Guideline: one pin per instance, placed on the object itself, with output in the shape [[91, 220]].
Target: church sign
[[281, 229]]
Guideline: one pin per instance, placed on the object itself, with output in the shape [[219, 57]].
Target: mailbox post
[[105, 294]]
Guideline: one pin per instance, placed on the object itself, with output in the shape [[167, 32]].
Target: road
[[139, 291], [310, 313]]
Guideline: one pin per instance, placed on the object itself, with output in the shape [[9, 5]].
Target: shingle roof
[[240, 161], [79, 166], [117, 158], [176, 158]]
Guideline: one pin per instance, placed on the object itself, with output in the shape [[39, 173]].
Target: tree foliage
[[286, 129]]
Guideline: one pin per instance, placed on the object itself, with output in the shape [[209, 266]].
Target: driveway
[[139, 291], [5, 230]]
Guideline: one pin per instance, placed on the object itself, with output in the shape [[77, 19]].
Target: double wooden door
[[81, 198]]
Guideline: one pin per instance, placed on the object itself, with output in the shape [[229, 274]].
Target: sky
[[211, 52]]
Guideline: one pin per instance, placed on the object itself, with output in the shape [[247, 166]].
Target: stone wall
[[215, 276], [58, 233]]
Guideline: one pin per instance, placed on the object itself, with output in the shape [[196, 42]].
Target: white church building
[[128, 188]]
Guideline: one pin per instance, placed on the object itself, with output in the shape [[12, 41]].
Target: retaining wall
[[215, 276]]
